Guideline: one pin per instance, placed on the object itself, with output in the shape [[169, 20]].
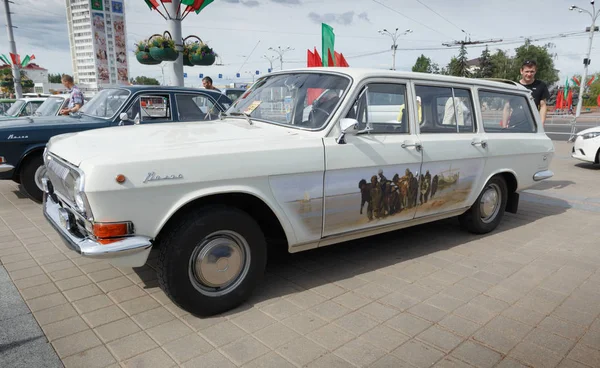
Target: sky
[[242, 31]]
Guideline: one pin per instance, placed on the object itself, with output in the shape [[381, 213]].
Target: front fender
[[266, 198], [30, 150]]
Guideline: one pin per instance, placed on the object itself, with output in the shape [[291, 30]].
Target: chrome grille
[[62, 178]]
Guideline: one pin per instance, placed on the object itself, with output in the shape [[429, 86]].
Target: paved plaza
[[526, 295]]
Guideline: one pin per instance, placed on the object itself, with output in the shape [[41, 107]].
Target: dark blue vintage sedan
[[22, 140]]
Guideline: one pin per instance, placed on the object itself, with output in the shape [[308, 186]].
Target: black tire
[[473, 220], [31, 165], [184, 240]]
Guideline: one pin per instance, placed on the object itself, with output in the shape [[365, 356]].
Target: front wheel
[[211, 261], [487, 211], [31, 177]]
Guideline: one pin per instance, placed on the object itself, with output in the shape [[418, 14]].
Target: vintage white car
[[586, 145], [370, 157]]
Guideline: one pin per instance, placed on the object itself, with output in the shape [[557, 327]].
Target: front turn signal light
[[105, 230]]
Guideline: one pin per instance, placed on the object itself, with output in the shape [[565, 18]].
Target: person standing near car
[[539, 89], [207, 82], [76, 97]]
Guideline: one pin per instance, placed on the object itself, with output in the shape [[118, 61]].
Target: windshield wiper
[[247, 116]]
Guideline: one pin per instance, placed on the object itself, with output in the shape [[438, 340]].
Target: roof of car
[[359, 73], [136, 88], [33, 99]]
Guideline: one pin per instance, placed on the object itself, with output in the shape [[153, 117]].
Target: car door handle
[[417, 145], [479, 142]]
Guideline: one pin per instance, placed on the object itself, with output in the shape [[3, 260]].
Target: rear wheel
[[211, 261], [487, 211], [31, 176]]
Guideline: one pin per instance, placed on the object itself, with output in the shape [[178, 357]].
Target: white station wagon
[[304, 159]]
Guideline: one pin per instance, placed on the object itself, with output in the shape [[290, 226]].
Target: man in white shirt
[[449, 112]]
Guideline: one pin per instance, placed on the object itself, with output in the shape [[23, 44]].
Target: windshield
[[15, 109], [50, 106], [4, 106], [303, 100], [106, 103]]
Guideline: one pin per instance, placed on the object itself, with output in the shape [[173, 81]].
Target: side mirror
[[124, 117], [347, 126]]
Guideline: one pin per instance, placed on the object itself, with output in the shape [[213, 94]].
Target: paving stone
[[562, 328], [356, 323], [534, 355], [64, 328], [209, 360], [97, 357], [117, 329], [274, 360], [301, 351], [304, 322], [408, 324], [153, 358], [440, 338], [77, 343], [104, 315], [359, 353], [187, 347], [583, 354], [476, 355], [132, 345], [459, 325], [418, 354]]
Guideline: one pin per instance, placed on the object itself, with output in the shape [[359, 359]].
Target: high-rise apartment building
[[98, 43]]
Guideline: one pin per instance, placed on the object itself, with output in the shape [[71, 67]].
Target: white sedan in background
[[587, 145]]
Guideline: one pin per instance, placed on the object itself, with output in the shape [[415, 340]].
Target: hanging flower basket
[[142, 54], [200, 53], [188, 48], [163, 48]]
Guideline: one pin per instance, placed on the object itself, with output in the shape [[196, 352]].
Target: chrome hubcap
[[489, 204], [39, 174], [219, 263]]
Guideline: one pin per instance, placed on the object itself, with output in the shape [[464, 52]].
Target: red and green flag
[[152, 4], [196, 5]]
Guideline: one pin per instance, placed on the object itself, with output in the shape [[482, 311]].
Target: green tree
[[54, 78], [145, 81], [458, 65], [485, 65], [8, 85], [542, 56], [502, 65], [425, 65]]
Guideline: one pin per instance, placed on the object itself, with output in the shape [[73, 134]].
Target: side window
[[150, 108], [506, 113], [195, 107], [384, 107], [445, 110]]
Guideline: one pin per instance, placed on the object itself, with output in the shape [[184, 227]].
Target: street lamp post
[[394, 37], [270, 59], [281, 51], [586, 61], [13, 49]]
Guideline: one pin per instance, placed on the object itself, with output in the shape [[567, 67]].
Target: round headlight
[[77, 195]]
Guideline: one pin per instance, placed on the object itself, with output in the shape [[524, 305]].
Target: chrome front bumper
[[542, 175], [128, 252], [6, 167]]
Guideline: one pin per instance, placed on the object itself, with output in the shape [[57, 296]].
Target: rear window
[[506, 113]]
